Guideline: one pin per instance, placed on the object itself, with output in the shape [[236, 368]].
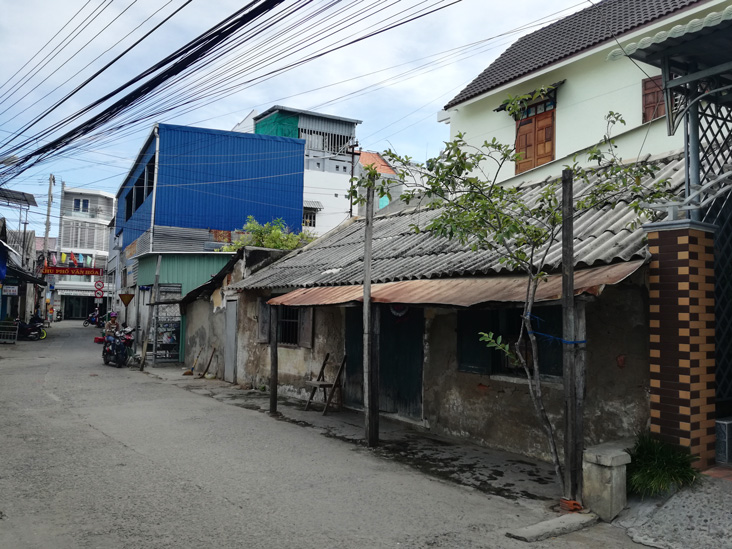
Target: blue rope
[[558, 339]]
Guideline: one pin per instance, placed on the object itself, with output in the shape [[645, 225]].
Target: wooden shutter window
[[262, 320], [535, 141], [305, 335], [653, 101]]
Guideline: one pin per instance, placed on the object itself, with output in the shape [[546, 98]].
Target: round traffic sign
[[98, 293], [99, 284]]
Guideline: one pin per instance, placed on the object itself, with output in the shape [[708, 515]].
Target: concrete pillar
[[682, 345], [603, 484]]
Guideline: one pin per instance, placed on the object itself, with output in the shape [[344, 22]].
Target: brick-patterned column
[[681, 291]]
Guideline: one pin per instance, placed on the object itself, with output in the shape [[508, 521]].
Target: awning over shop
[[24, 276], [461, 292]]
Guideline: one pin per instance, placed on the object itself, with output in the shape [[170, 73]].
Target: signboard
[[10, 290], [99, 284], [98, 293], [98, 300], [82, 271], [80, 293], [126, 298]]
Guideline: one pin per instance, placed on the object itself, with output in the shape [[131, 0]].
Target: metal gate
[[166, 324]]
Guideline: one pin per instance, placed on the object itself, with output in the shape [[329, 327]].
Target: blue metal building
[[196, 178]]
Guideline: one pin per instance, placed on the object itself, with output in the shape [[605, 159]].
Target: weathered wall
[[618, 373], [497, 410], [205, 329], [296, 364]]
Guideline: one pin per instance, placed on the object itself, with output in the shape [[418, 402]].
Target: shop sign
[[10, 290], [81, 271]]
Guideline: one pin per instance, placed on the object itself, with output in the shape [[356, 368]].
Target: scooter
[[33, 331], [92, 319], [118, 350]]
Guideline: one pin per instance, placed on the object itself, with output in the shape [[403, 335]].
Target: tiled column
[[681, 291]]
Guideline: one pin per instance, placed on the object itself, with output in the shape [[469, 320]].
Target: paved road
[[94, 456]]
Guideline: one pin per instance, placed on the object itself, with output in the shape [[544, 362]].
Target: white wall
[[323, 187], [594, 86]]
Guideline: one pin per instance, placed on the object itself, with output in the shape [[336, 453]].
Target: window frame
[[504, 322], [309, 217], [652, 97], [535, 114]]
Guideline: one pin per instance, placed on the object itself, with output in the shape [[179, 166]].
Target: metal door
[[400, 359], [230, 344]]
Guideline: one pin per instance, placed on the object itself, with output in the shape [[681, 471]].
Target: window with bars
[[288, 325], [294, 324], [309, 216], [654, 105]]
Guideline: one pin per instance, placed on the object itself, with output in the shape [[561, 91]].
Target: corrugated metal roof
[[314, 204], [461, 292], [601, 237], [600, 22]]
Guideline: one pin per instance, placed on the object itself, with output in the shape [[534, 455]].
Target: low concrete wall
[[295, 364]]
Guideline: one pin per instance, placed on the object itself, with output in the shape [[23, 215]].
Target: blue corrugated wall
[[140, 220], [213, 179]]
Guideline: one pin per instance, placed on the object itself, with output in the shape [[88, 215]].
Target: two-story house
[[186, 193]]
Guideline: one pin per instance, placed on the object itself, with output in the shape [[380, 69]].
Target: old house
[[433, 294]]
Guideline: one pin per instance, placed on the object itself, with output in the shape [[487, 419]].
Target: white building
[[573, 56], [330, 160], [83, 232]]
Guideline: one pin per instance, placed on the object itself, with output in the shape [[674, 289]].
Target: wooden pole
[[580, 360], [370, 367], [273, 359], [153, 299], [571, 467]]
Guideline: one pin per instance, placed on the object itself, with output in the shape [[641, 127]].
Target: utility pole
[[51, 183], [370, 345], [573, 435], [353, 169]]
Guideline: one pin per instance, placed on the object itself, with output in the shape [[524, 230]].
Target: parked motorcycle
[[119, 350], [33, 331]]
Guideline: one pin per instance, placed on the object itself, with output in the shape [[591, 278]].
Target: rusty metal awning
[[460, 292]]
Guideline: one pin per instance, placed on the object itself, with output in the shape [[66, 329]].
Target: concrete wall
[[296, 364], [205, 330], [497, 410]]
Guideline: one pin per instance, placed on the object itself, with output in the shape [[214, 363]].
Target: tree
[[462, 183], [273, 234]]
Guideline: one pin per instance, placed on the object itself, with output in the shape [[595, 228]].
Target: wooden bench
[[329, 387]]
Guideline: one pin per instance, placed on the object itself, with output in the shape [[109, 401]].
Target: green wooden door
[[400, 359]]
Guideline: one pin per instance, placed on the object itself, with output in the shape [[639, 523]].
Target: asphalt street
[[95, 456]]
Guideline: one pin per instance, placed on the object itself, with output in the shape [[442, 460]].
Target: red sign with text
[[81, 271]]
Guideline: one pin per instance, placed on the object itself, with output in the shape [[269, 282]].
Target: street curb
[[564, 524]]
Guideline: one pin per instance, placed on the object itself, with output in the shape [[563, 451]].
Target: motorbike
[[119, 350], [92, 319], [33, 330]]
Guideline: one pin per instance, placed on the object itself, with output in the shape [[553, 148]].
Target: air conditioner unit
[[724, 440]]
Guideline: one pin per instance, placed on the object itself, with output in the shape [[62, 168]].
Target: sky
[[395, 82]]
